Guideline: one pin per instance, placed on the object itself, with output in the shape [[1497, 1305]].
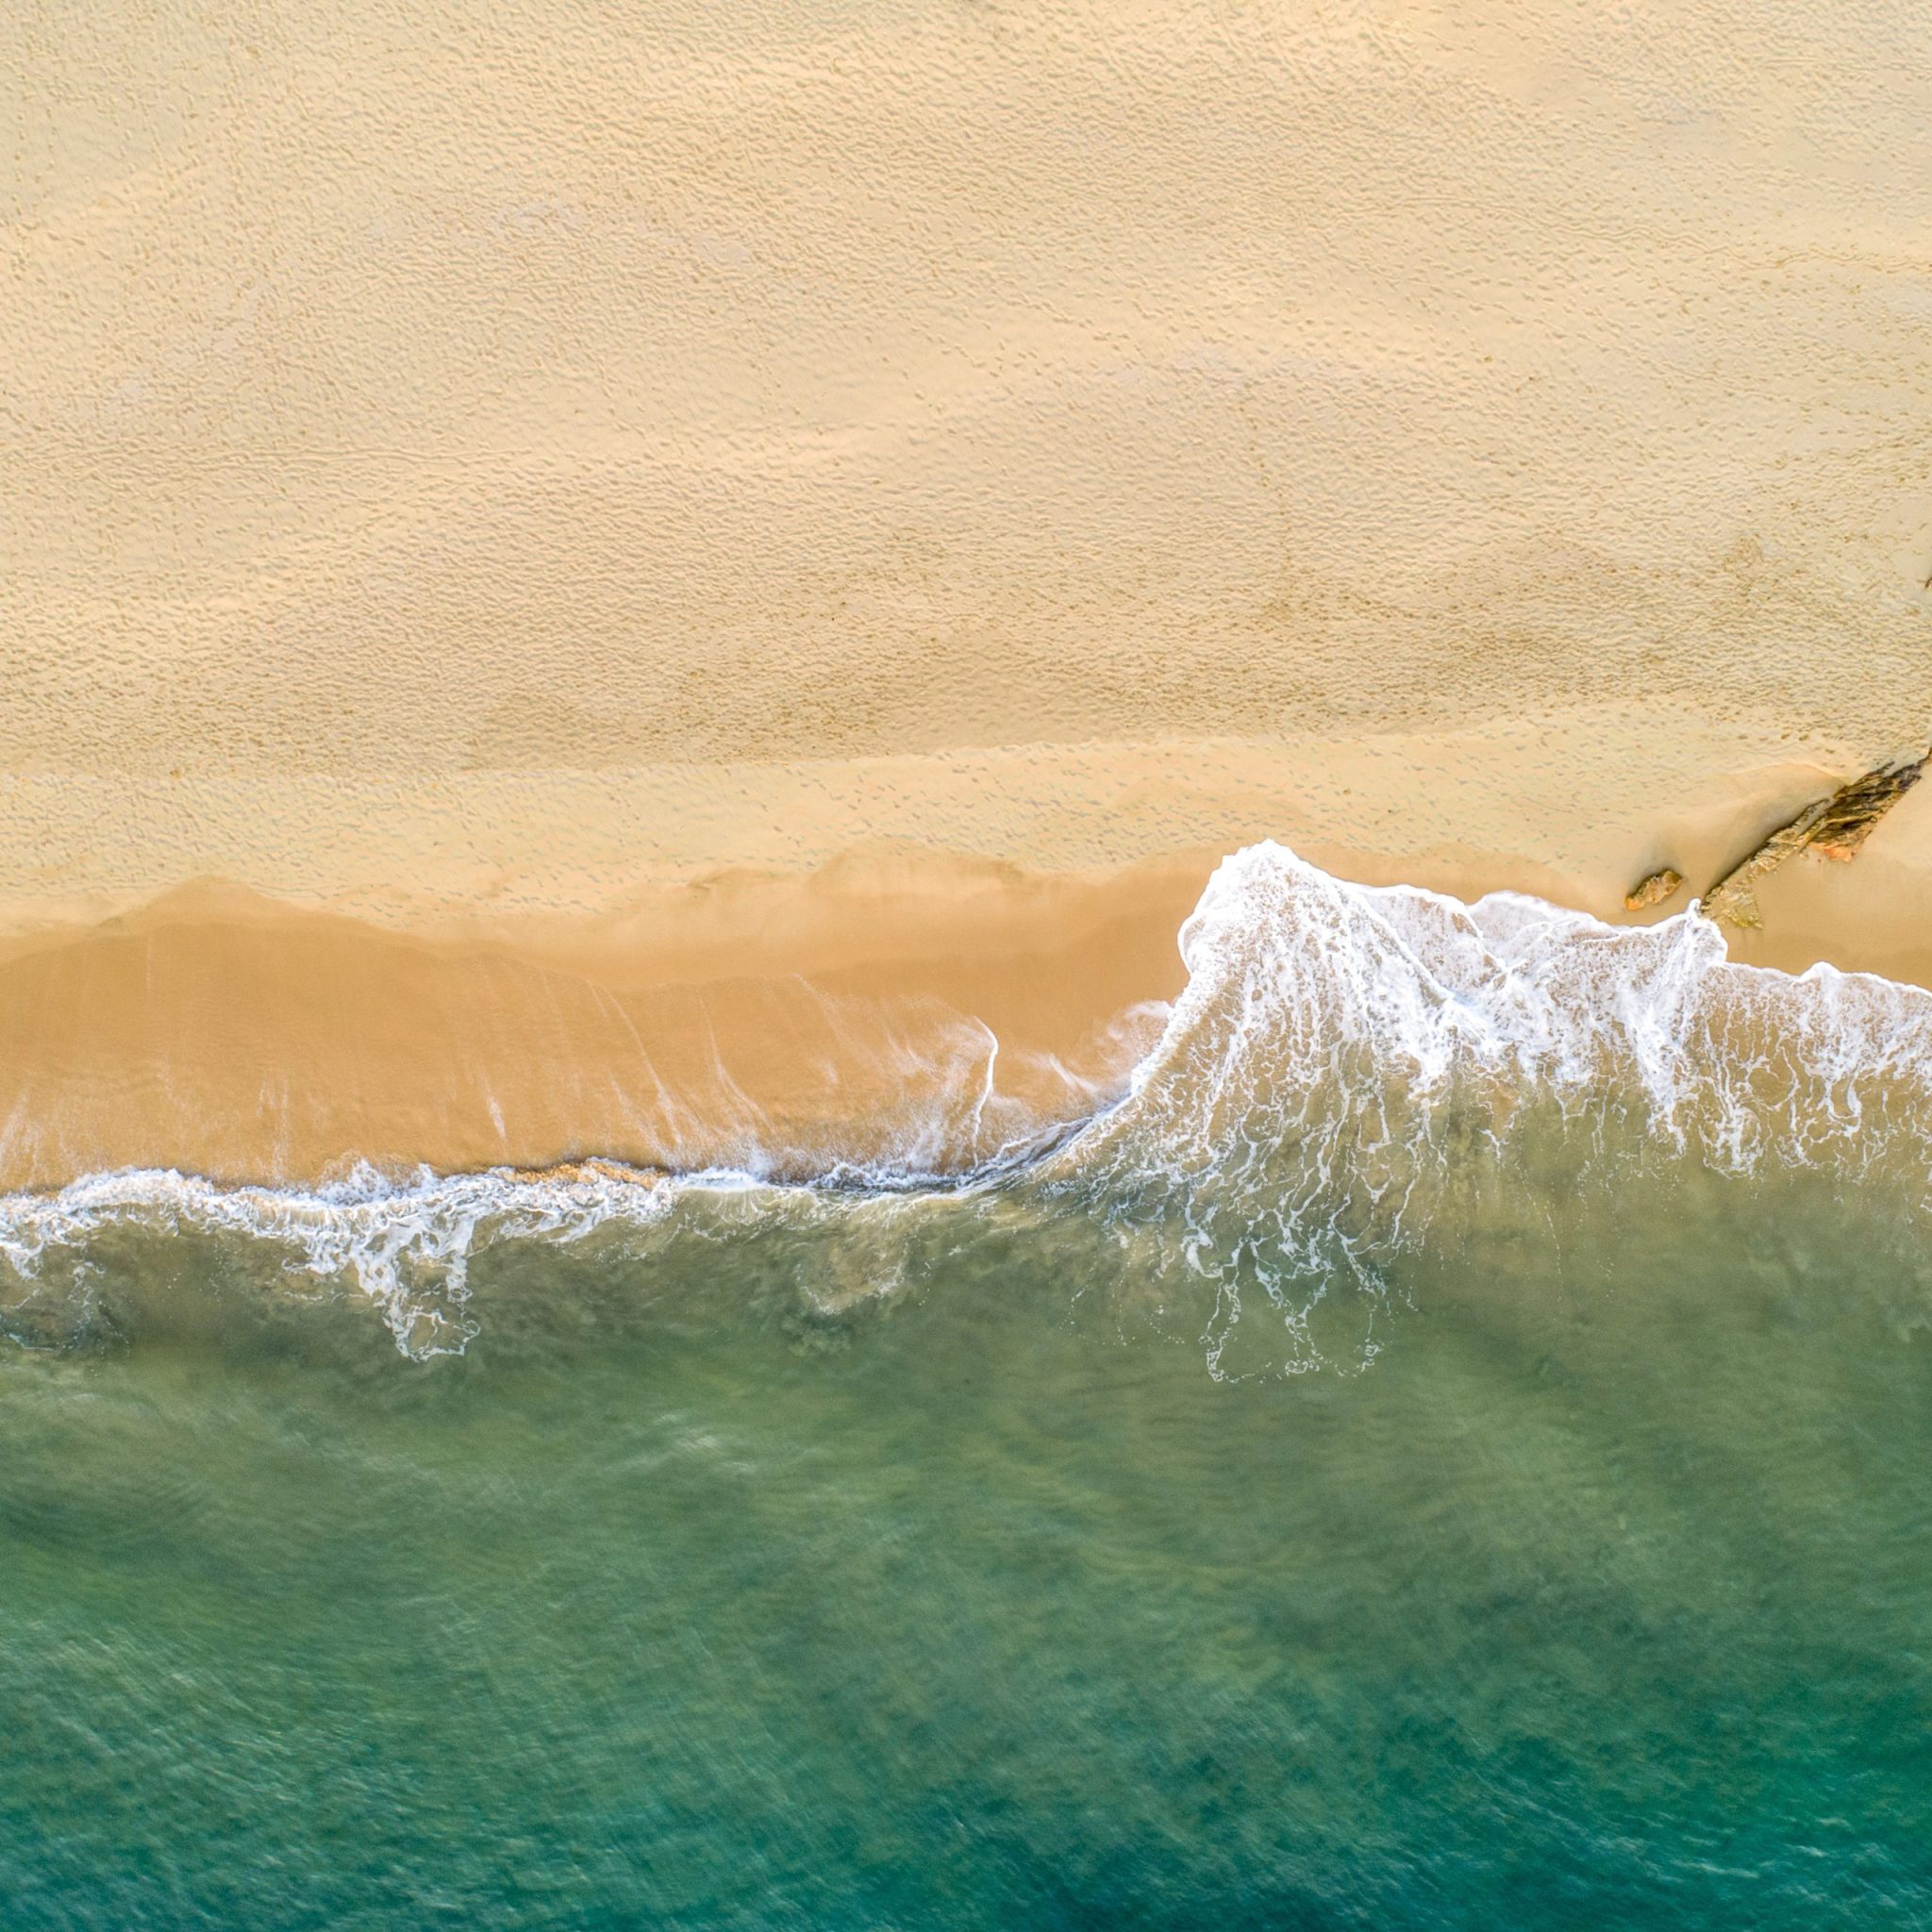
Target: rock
[[1851, 813], [1652, 890], [1836, 826]]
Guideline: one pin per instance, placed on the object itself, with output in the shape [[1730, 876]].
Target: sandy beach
[[659, 588]]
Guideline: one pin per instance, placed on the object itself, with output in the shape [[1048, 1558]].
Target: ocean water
[[1448, 1447]]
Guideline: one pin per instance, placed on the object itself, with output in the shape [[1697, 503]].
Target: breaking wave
[[1353, 1069], [1346, 1070]]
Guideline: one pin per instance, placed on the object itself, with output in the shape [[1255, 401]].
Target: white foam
[[1301, 982], [406, 1244]]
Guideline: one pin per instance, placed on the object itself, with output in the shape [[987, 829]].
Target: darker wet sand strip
[[791, 1026]]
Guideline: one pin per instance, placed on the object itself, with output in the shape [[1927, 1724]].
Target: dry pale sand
[[706, 560]]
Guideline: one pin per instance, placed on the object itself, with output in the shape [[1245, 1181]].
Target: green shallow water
[[709, 1589]]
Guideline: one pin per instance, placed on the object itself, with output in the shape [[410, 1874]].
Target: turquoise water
[[1339, 1489]]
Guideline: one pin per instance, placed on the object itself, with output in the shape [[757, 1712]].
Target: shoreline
[[893, 1000]]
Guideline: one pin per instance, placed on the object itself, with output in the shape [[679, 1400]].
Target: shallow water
[[1337, 1490]]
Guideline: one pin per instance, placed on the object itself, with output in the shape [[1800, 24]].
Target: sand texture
[[499, 484]]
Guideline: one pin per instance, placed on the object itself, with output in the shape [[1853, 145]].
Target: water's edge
[[1340, 1056]]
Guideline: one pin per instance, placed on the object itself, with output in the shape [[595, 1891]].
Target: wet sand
[[229, 1036]]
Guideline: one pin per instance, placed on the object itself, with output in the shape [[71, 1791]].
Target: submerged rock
[[1836, 826], [1653, 890]]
